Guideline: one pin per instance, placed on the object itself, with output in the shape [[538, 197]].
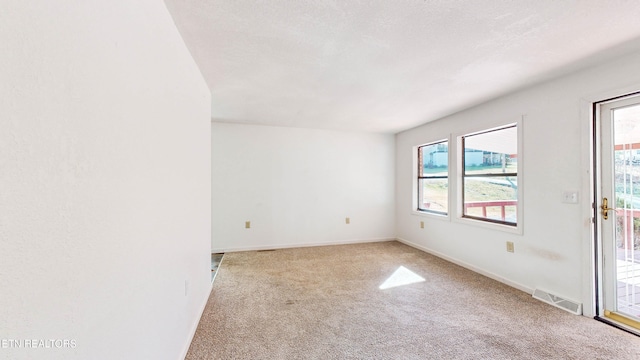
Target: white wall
[[104, 181], [297, 186], [554, 251]]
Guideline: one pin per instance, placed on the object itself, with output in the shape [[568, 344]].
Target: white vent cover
[[568, 305]]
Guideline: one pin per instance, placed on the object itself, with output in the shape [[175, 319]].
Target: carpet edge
[[298, 245]]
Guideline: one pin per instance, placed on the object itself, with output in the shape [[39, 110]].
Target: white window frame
[[450, 185], [459, 206]]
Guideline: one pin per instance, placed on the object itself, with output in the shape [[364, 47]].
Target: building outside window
[[433, 177], [490, 175]]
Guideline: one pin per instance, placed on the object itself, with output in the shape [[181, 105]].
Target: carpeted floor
[[326, 303]]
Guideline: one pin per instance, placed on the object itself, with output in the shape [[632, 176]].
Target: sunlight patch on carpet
[[402, 276]]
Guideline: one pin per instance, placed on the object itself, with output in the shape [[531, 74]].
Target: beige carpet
[[325, 303]]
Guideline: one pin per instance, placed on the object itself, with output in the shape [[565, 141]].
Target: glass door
[[619, 211]]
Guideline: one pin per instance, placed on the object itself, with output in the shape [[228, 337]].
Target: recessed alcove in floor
[[216, 259]]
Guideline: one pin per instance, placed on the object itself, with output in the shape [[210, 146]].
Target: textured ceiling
[[386, 66]]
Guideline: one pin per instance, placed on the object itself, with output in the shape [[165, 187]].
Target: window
[[433, 177], [490, 175]]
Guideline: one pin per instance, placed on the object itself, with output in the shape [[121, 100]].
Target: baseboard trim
[[298, 245], [468, 266], [195, 325]]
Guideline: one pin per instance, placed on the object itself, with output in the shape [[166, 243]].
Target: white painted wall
[[104, 181], [297, 186], [554, 251]]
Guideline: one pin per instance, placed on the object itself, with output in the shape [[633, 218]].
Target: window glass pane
[[435, 159], [434, 195], [491, 197], [493, 152]]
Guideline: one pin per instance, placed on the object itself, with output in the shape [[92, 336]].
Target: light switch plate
[[570, 197]]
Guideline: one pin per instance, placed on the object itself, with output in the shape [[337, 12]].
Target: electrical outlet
[[510, 247], [247, 224], [347, 220], [421, 224]]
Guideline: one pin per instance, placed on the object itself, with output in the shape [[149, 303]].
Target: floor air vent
[[557, 301]]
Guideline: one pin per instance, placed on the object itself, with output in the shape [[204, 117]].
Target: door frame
[[588, 150], [597, 267]]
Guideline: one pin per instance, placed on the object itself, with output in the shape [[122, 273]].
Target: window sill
[[432, 215], [490, 225]]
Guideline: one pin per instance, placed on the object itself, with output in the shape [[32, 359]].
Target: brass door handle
[[605, 208]]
